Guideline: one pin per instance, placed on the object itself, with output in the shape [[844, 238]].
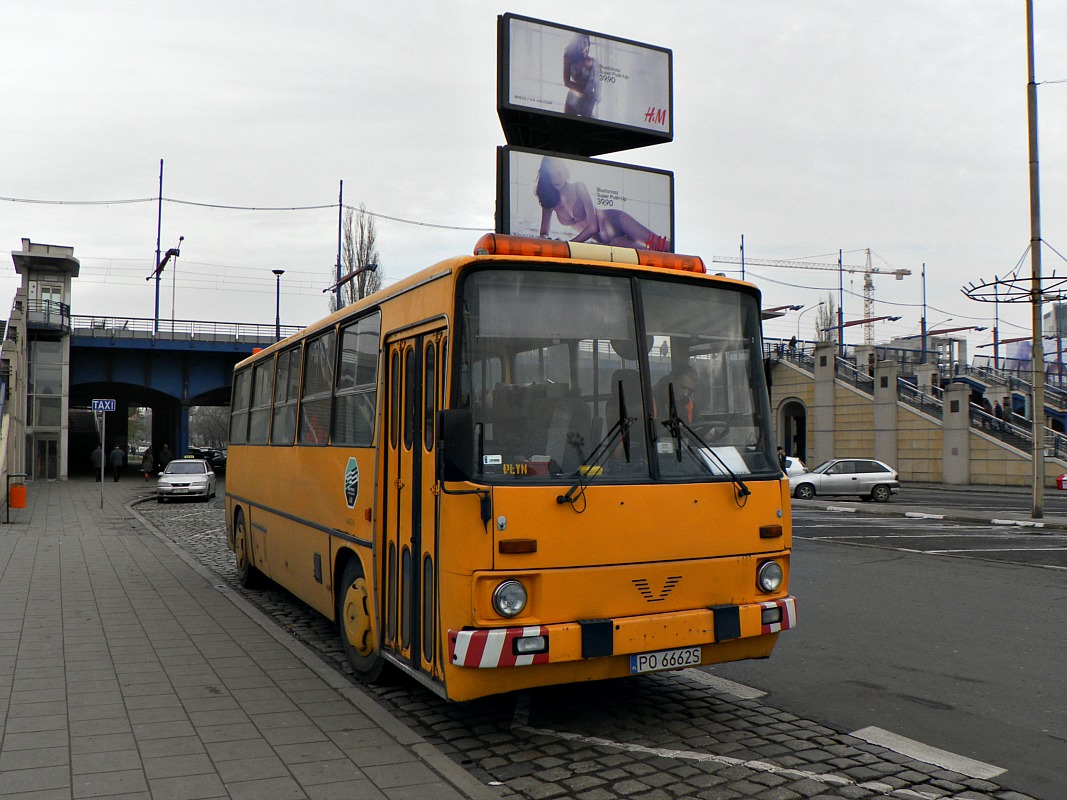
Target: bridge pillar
[[823, 407], [956, 435], [926, 377], [183, 432], [885, 411]]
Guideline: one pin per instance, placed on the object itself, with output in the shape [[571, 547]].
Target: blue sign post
[[102, 406]]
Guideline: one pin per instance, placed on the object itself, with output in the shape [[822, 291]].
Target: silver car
[[864, 477], [186, 477]]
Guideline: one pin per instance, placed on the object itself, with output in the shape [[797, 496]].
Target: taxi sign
[[103, 405]]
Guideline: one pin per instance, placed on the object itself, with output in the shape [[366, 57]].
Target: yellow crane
[[868, 282]]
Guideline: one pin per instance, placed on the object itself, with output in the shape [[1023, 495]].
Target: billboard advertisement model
[[551, 196], [579, 92]]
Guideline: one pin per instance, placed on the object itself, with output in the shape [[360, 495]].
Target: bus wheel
[[247, 575], [356, 625]]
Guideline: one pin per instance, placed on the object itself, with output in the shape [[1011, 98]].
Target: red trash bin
[[16, 497], [1061, 482]]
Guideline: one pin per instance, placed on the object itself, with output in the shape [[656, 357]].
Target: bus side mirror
[[455, 444]]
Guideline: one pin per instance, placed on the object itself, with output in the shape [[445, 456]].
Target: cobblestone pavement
[[651, 738]]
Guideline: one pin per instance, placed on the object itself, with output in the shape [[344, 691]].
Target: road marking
[[1003, 550], [930, 755], [1017, 522], [923, 515], [721, 684]]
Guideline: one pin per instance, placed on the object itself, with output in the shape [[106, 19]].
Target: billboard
[[584, 93], [551, 196]]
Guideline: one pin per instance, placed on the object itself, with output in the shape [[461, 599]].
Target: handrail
[[849, 373], [168, 329]]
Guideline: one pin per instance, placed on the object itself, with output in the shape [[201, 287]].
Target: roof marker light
[[503, 245]]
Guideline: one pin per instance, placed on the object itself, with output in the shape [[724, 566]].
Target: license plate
[[180, 491], [664, 659]]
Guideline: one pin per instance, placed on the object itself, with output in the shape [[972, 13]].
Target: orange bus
[[539, 464]]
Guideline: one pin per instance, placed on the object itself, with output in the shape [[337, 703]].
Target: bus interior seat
[[541, 419]]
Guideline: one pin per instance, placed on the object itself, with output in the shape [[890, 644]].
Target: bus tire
[[355, 622], [247, 575]]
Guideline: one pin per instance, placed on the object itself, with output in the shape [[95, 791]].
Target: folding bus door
[[409, 554]]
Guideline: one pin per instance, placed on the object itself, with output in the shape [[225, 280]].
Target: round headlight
[[509, 598], [769, 576]]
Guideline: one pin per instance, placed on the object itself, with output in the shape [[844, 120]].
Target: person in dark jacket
[[116, 461]]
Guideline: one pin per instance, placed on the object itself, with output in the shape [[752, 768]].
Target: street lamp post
[[278, 303], [805, 311]]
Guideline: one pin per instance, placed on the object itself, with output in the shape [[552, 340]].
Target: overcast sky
[[806, 127]]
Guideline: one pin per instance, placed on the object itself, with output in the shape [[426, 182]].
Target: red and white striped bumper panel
[[493, 648], [788, 606]]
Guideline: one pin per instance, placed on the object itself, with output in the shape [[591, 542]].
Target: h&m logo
[[647, 593]]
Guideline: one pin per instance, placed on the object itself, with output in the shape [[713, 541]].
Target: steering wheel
[[711, 429]]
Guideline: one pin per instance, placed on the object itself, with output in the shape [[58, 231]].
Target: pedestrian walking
[[116, 460], [97, 460], [165, 457], [148, 462]]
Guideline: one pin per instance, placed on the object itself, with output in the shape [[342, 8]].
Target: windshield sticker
[[351, 482], [492, 461]]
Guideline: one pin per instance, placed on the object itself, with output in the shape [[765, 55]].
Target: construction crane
[[868, 281]]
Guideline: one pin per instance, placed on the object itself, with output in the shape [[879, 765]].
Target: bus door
[[410, 550]]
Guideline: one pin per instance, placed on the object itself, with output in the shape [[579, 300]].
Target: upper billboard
[[584, 200], [578, 92]]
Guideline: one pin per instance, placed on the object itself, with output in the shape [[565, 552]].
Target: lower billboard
[[552, 196]]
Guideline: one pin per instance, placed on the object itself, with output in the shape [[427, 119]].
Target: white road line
[[690, 755], [1017, 522], [923, 515], [1004, 550], [928, 754], [721, 684]]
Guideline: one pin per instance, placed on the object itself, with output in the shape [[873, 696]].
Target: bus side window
[[357, 383], [286, 389], [242, 397], [262, 389], [317, 394]]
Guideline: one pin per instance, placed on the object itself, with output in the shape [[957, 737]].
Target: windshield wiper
[[676, 425], [619, 430]]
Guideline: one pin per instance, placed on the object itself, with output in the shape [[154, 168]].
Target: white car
[[794, 466], [864, 477], [186, 477]]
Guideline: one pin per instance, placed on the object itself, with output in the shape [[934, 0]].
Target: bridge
[[186, 363]]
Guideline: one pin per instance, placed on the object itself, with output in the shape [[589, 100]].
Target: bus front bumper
[[552, 644]]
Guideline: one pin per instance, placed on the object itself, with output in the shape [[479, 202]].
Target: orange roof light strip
[[497, 244]]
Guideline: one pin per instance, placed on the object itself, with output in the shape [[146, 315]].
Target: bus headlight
[[509, 599], [769, 576]]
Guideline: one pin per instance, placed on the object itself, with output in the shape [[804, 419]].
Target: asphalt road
[[952, 635]]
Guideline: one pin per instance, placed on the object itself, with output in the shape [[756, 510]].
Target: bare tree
[[358, 249], [209, 425], [826, 321]]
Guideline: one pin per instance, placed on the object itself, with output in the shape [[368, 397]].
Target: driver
[[684, 380]]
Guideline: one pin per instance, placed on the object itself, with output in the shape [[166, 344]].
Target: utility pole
[[1037, 352]]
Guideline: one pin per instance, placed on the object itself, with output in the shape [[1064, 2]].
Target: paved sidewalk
[[127, 672]]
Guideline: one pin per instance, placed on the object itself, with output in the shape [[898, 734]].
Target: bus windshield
[[652, 378]]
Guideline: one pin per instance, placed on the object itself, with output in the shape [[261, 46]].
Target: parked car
[[864, 477], [216, 458], [186, 477], [794, 466]]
